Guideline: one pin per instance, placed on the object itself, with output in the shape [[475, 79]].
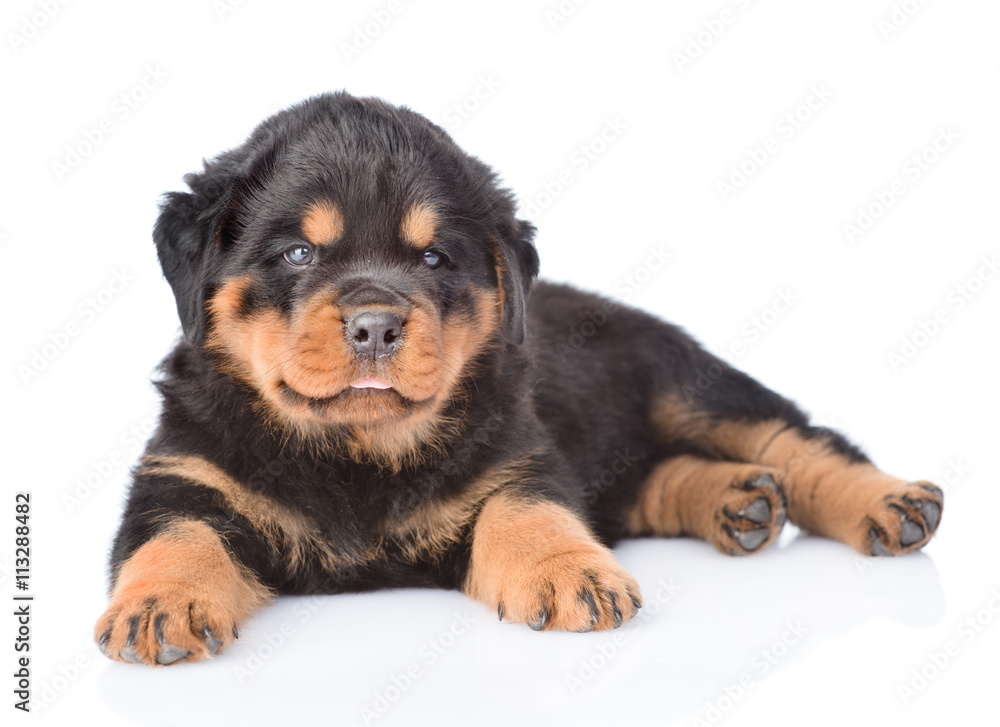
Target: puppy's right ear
[[181, 238]]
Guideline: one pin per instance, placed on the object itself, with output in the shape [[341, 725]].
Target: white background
[[843, 632]]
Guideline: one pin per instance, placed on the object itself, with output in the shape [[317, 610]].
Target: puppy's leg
[[180, 597], [536, 562], [737, 507], [833, 491], [832, 488], [190, 562]]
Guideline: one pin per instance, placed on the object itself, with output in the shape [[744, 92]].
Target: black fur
[[564, 405]]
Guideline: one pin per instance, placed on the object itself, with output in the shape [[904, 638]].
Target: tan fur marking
[[419, 225], [831, 495], [827, 493], [688, 495], [288, 531], [535, 557], [323, 223], [437, 525], [186, 574], [309, 354], [732, 440]]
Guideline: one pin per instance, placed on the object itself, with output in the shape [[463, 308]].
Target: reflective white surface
[[807, 628]]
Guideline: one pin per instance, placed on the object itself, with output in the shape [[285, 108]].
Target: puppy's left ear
[[181, 242], [517, 268]]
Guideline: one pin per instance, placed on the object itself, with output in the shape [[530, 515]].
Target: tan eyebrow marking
[[323, 223], [419, 225]]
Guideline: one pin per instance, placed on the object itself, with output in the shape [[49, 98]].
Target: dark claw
[[878, 549], [759, 511], [211, 642], [158, 627], [616, 612], [133, 631], [128, 653], [931, 513], [752, 539], [936, 491], [169, 654], [103, 643], [588, 598], [636, 603], [236, 632], [500, 610], [910, 532], [540, 623]]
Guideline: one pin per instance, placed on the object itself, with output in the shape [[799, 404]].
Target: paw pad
[[753, 514], [906, 519]]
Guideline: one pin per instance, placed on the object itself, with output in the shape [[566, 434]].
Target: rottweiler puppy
[[371, 392]]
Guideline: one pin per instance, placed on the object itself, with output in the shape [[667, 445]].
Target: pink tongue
[[371, 383]]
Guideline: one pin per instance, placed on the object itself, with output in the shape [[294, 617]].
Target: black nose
[[374, 332]]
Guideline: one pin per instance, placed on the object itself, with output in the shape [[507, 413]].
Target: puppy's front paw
[[163, 627], [179, 597], [537, 563], [581, 590]]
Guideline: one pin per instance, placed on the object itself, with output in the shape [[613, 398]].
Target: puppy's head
[[349, 262]]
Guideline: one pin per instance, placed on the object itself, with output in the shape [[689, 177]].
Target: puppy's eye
[[433, 259], [299, 255]]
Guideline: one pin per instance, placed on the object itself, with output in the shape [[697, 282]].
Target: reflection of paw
[[752, 514], [164, 628], [580, 590], [905, 521]]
